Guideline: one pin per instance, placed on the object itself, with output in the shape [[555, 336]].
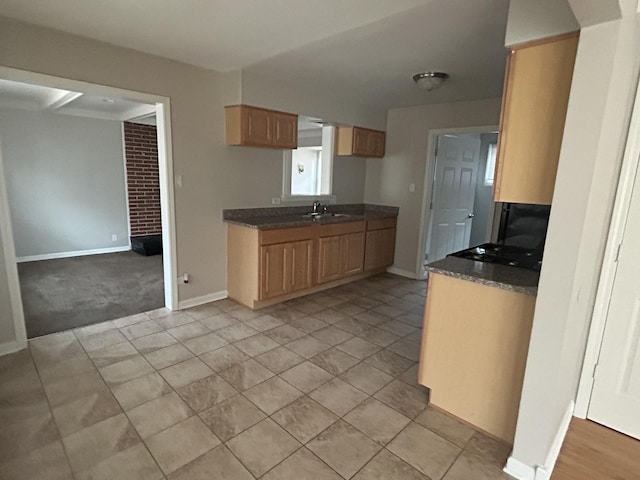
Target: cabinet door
[[537, 85], [330, 258], [274, 276], [300, 267], [258, 129], [360, 141], [285, 130], [376, 142], [380, 248], [353, 253]]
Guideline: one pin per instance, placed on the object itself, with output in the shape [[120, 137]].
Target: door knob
[[471, 215]]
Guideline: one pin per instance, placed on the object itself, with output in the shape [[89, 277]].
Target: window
[[491, 165], [306, 165], [308, 170]]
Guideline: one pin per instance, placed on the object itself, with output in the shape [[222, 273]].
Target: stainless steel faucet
[[316, 206]]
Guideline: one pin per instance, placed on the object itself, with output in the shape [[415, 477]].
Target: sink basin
[[318, 216]]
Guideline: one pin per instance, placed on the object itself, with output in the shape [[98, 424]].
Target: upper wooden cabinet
[[534, 107], [259, 127], [360, 142]]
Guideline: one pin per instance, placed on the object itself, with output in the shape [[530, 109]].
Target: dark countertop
[[288, 217], [500, 276]]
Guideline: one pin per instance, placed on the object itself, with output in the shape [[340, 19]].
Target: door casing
[[167, 193], [425, 216]]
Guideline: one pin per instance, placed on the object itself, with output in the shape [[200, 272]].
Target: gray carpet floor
[[67, 293]]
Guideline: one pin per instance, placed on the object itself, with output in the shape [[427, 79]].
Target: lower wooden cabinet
[[381, 243], [285, 267], [269, 266], [475, 339], [340, 256], [329, 259]]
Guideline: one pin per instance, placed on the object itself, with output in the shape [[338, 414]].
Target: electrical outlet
[[114, 238], [412, 187], [275, 201]]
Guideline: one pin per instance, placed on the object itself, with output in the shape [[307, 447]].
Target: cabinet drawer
[[381, 223], [341, 228], [269, 237]]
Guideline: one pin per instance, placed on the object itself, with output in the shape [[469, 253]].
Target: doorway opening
[[458, 208], [89, 176]]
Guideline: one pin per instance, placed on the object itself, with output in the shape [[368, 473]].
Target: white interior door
[[615, 399], [454, 191]]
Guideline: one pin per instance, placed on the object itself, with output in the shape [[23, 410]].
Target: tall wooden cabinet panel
[[260, 127], [274, 278], [534, 107], [353, 254], [329, 258], [301, 265]]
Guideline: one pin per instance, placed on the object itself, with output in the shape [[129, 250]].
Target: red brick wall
[[143, 183]]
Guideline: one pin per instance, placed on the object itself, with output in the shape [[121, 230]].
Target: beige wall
[[405, 161], [214, 175], [263, 91], [602, 93], [7, 333]]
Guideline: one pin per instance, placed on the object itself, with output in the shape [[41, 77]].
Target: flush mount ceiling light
[[430, 80]]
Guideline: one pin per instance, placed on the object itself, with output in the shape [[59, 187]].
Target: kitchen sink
[[318, 216]]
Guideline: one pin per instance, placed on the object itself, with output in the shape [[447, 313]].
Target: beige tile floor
[[322, 387]]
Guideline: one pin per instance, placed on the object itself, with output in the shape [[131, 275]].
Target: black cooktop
[[518, 257]]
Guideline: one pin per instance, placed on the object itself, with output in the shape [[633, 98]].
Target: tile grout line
[[306, 334], [55, 422], [122, 408]]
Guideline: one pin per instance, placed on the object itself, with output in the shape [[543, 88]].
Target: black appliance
[[524, 225], [521, 237], [520, 257]]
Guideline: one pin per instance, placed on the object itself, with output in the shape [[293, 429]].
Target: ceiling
[[25, 96], [375, 63], [367, 50]]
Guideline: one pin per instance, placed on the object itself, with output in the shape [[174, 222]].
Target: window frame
[[326, 170]]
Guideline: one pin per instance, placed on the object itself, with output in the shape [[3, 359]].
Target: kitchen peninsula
[[477, 325], [276, 254]]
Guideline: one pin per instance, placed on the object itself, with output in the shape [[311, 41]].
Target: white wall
[[602, 92], [530, 20], [65, 180], [387, 179], [214, 176]]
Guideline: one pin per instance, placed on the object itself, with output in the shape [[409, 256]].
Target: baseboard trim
[[522, 471], [404, 273], [544, 473], [519, 470], [11, 347], [77, 253], [196, 301]]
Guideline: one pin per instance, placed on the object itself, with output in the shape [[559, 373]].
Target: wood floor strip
[[591, 451]]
